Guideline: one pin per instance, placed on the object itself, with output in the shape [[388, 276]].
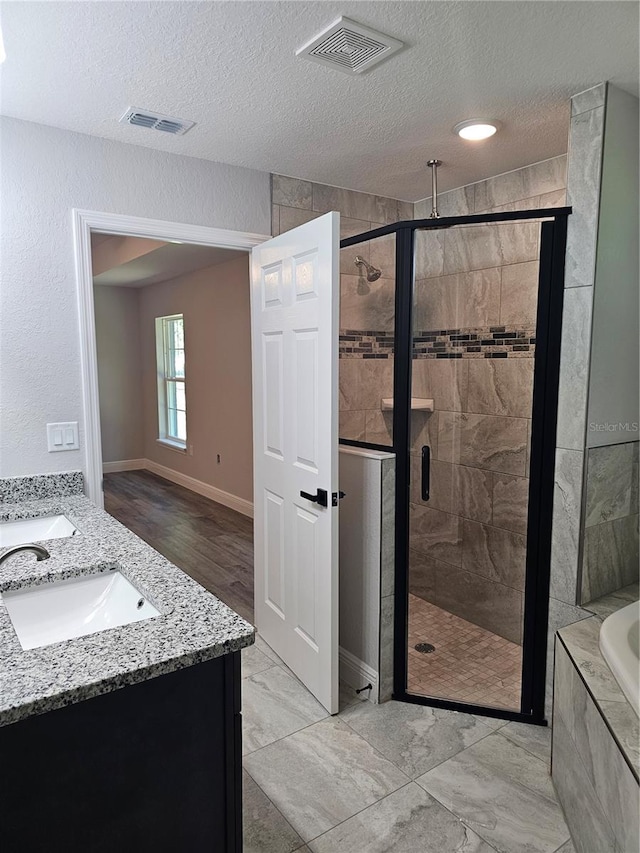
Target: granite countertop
[[193, 625]]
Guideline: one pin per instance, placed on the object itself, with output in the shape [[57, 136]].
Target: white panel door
[[294, 317]]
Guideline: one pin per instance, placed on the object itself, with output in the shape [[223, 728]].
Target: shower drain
[[425, 648]]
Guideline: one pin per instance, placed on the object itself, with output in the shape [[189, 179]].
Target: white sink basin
[[35, 530], [52, 612]]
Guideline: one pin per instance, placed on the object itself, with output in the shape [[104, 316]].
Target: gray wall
[[117, 311], [45, 173], [614, 378], [595, 529]]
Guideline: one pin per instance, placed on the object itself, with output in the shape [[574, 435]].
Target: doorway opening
[[167, 381]]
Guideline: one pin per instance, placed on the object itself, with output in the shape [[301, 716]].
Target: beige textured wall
[[215, 304], [119, 372]]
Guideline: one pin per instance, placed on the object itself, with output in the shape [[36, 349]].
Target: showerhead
[[373, 273]]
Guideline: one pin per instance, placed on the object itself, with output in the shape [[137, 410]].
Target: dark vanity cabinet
[[153, 766]]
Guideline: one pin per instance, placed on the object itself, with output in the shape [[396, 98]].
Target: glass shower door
[[474, 316]]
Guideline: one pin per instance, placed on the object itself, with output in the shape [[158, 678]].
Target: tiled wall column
[[586, 139]]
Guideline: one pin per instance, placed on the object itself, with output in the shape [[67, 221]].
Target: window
[[172, 398]]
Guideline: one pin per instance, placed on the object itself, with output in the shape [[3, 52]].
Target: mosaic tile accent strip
[[14, 489], [482, 342], [487, 342], [366, 344]]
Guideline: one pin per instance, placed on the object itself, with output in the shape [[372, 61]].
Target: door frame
[[116, 224]]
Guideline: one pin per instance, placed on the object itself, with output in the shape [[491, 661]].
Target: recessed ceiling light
[[475, 129]]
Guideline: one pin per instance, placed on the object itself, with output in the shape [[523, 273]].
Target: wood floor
[[208, 541]]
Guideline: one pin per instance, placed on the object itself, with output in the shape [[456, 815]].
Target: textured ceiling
[[231, 67]]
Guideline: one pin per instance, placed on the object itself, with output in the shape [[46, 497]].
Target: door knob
[[321, 497]]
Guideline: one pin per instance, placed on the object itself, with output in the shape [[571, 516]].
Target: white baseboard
[[218, 495], [357, 673], [123, 465]]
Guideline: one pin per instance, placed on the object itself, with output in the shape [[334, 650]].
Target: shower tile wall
[[366, 308], [468, 542], [610, 559], [474, 348]]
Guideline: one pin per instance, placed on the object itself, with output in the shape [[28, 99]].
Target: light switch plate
[[62, 436]]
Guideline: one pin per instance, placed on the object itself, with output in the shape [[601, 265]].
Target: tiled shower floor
[[469, 664]]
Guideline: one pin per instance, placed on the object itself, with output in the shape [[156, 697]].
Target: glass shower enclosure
[[449, 358]]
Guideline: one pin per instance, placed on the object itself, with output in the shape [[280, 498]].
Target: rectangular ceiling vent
[[155, 121], [349, 47]]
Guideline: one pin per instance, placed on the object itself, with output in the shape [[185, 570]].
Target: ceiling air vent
[[349, 47], [155, 121]]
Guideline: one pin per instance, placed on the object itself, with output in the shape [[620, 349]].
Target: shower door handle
[[426, 472]]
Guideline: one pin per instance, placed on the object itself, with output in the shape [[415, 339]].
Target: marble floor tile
[[264, 829], [267, 650], [535, 739], [348, 696], [414, 737], [503, 793], [254, 661], [407, 821], [275, 704], [323, 775], [567, 847]]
